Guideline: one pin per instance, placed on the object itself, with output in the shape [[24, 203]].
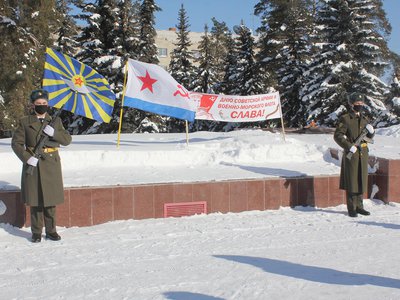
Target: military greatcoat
[[45, 186], [354, 171]]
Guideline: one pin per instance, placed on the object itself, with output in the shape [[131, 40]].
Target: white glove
[[33, 161], [353, 149], [49, 130], [370, 129]]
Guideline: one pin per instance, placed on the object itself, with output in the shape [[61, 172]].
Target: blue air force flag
[[78, 87], [151, 88]]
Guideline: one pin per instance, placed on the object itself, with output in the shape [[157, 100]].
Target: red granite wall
[[90, 206]]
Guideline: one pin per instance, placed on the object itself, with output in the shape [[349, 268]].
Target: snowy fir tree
[[98, 49], [227, 85], [272, 36], [148, 50], [129, 36], [350, 57], [127, 41], [284, 49], [110, 38], [245, 80], [67, 29], [206, 77], [393, 98], [181, 66], [26, 28], [220, 36]]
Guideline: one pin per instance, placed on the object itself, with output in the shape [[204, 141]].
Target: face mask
[[41, 109], [358, 108]]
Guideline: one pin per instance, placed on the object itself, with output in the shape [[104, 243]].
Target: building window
[[162, 52]]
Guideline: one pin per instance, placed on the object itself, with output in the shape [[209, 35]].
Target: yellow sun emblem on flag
[[78, 81]]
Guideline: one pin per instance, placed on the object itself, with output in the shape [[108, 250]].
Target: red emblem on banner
[[182, 92], [147, 82]]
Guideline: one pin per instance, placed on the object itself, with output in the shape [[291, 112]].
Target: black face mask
[[358, 108], [41, 109]]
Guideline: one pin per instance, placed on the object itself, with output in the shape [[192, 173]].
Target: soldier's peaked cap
[[354, 97], [39, 94]]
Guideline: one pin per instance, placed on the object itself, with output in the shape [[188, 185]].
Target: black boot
[[353, 214], [362, 211], [53, 236], [36, 237]]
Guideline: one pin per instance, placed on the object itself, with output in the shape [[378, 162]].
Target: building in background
[[165, 41]]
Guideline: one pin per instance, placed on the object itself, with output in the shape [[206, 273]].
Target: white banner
[[229, 108]]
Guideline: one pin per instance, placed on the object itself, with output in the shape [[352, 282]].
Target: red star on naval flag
[[147, 82]]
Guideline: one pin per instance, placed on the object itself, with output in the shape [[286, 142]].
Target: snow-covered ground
[[301, 253], [95, 160]]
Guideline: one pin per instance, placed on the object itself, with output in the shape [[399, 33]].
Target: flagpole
[[187, 133], [122, 104], [283, 126]]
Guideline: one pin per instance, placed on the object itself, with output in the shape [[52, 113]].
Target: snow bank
[[393, 131], [307, 252], [95, 160]]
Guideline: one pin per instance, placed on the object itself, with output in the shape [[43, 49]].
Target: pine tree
[[99, 50], [220, 36], [273, 14], [127, 43], [181, 67], [26, 28], [67, 30], [89, 38], [393, 97], [112, 36], [129, 36], [227, 85], [284, 48], [148, 47], [351, 57], [206, 76], [246, 78]]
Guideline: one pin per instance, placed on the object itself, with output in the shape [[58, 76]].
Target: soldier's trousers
[[40, 214], [354, 201]]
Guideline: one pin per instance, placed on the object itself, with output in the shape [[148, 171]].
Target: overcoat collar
[[353, 114], [35, 123]]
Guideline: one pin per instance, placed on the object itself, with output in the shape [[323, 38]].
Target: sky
[[232, 12]]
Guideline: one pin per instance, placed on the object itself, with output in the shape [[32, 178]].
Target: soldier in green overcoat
[[42, 190], [354, 171]]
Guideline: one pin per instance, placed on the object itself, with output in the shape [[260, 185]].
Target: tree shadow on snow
[[98, 143], [285, 173], [312, 273], [181, 141], [189, 296], [385, 225]]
